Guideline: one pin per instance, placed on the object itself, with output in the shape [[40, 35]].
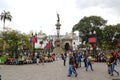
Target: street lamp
[[92, 40], [33, 39], [49, 44]]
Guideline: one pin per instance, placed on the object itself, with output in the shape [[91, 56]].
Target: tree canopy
[[107, 35]]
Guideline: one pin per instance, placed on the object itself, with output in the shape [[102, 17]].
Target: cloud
[[3, 4], [102, 3], [107, 9], [31, 15]]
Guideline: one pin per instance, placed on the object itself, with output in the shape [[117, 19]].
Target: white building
[[43, 37]]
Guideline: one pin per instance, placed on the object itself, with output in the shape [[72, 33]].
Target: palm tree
[[5, 16]]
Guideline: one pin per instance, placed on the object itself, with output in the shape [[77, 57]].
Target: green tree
[[87, 24], [15, 40], [108, 33], [41, 42], [26, 41], [12, 39], [117, 31], [5, 16], [1, 45], [111, 36]]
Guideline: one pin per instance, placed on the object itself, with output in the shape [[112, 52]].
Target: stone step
[[58, 50]]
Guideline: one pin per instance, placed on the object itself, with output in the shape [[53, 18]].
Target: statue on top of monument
[[58, 17]]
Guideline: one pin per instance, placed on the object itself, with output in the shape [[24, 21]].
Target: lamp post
[[33, 39], [92, 40]]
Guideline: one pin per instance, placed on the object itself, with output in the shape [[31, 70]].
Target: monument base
[[58, 50]]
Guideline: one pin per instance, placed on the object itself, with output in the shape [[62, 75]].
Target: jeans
[[118, 61], [113, 69], [71, 69], [79, 64], [15, 61], [88, 64], [64, 63], [109, 69]]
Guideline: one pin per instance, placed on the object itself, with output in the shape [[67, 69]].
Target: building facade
[[68, 41]]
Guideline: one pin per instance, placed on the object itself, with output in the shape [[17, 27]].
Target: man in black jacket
[[113, 61], [71, 67]]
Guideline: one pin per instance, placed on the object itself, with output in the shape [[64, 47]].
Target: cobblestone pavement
[[54, 71]]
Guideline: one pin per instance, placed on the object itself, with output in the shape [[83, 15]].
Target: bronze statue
[[58, 17]]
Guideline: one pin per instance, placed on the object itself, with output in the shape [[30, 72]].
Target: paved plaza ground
[[54, 71]]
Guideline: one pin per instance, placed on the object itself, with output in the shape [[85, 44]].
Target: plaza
[[29, 47], [55, 71]]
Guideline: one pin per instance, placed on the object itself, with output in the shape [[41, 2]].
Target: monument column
[[57, 43], [58, 49], [58, 27]]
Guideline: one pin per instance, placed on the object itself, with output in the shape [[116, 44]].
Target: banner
[[92, 40]]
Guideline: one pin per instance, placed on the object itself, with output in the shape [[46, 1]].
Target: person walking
[[79, 60], [108, 56], [88, 63], [113, 61], [85, 58], [64, 59], [71, 67]]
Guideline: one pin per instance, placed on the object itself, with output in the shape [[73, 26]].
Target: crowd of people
[[76, 57], [30, 58]]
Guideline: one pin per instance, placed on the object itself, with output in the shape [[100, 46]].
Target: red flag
[[92, 40], [34, 39], [49, 44], [118, 44]]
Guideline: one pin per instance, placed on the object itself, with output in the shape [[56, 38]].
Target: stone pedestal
[[58, 49]]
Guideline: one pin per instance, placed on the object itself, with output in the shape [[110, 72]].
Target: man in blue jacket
[[79, 60]]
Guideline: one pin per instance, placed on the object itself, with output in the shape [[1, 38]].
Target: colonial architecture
[[69, 41], [41, 40]]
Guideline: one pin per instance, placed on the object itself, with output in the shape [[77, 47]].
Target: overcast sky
[[36, 15]]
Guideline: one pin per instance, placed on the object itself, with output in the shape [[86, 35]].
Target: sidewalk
[[54, 71]]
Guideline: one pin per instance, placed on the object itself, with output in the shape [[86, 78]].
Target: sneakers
[[118, 73], [111, 74], [0, 77], [68, 75], [92, 70], [76, 75]]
